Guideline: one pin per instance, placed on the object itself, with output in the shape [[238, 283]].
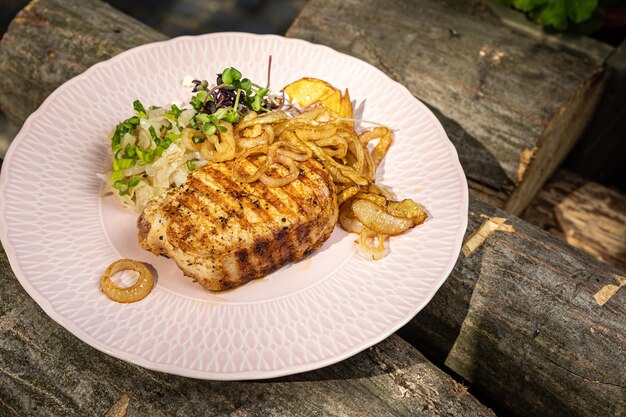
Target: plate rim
[[134, 359]]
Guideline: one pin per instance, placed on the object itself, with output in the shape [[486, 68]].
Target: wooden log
[[44, 370], [35, 58], [513, 105], [530, 322], [585, 214]]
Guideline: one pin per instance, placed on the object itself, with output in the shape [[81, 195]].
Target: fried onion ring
[[136, 292]]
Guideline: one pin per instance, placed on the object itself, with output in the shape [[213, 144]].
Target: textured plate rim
[[225, 376]]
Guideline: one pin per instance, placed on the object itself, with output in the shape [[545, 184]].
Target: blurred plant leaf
[[559, 14]]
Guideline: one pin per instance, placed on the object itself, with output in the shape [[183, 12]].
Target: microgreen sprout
[[232, 97]]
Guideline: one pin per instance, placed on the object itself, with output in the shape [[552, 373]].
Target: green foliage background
[[579, 15]]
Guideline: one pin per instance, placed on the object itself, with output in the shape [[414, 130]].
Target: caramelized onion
[[242, 158], [187, 139], [272, 117], [347, 193], [279, 182], [347, 219], [379, 200], [379, 152], [408, 209], [322, 131], [138, 291], [251, 132], [377, 219], [367, 247]]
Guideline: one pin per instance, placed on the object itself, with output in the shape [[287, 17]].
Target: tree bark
[[530, 322], [512, 105], [585, 214], [50, 42]]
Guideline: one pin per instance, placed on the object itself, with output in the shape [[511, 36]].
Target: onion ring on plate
[[138, 291]]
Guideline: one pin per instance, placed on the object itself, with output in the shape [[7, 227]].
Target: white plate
[[60, 235]]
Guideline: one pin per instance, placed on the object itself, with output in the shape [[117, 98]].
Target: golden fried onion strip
[[383, 145], [376, 218]]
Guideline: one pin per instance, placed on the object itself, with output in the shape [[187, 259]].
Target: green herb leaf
[[203, 118], [208, 129], [155, 138], [165, 143], [164, 127], [190, 165], [197, 139], [175, 110], [222, 129], [213, 119], [141, 111], [257, 100], [129, 151], [221, 113], [230, 75], [127, 126], [122, 163], [198, 101], [246, 85], [148, 156], [131, 123], [173, 136], [173, 113], [124, 185], [232, 116]]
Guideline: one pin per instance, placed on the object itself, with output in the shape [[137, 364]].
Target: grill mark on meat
[[304, 180], [322, 175], [272, 196], [271, 199], [202, 221], [191, 201], [296, 196], [204, 191], [285, 246], [248, 199], [244, 265], [319, 175], [226, 202]]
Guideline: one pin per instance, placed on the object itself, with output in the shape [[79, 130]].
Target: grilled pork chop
[[223, 233]]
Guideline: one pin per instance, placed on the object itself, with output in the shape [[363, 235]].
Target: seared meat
[[223, 233]]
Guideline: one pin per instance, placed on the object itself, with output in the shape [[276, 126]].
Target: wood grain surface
[[512, 105], [585, 214], [532, 323], [51, 41]]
